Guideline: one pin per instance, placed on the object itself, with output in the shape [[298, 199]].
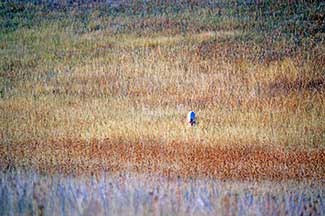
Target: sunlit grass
[[96, 75]]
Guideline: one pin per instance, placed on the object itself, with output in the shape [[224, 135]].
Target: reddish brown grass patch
[[174, 159]]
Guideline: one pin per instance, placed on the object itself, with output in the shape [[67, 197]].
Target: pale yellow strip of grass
[[155, 40], [53, 118]]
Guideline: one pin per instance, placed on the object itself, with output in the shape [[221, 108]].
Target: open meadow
[[100, 90]]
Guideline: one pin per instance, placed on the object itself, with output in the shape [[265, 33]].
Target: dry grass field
[[29, 193], [107, 86], [176, 159], [94, 98]]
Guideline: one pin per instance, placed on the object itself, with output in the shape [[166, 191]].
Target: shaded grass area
[[137, 194], [187, 159]]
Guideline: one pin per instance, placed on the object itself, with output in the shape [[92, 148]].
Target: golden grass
[[148, 95], [59, 84]]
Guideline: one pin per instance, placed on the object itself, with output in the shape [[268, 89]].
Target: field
[[89, 88], [31, 194]]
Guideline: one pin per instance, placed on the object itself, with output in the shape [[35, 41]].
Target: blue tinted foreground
[[24, 193]]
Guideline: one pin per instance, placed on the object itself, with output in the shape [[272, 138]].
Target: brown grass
[[113, 91], [185, 159]]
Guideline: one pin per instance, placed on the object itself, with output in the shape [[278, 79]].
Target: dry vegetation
[[29, 193], [186, 159], [97, 87]]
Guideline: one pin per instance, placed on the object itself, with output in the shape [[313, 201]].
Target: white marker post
[[191, 118]]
